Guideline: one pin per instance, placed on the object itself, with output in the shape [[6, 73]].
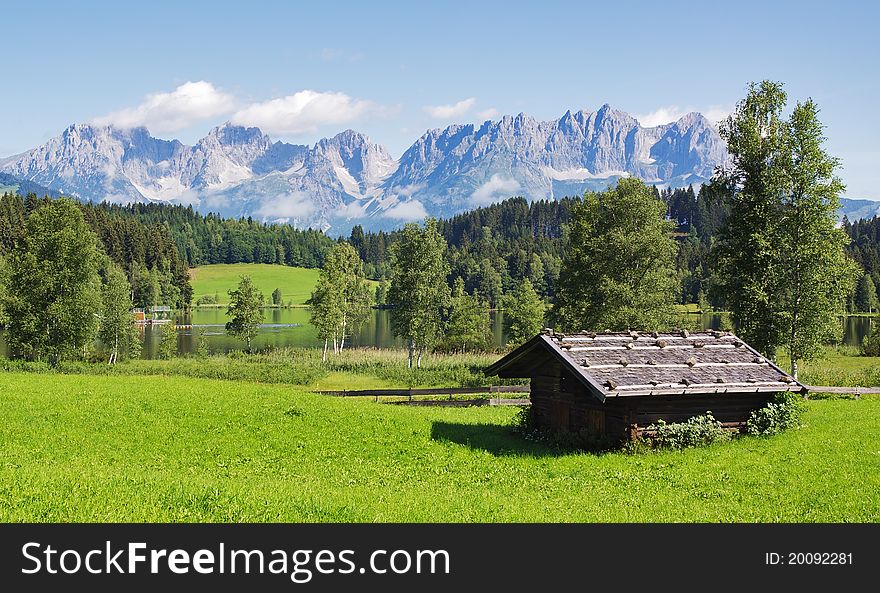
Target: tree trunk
[[419, 361], [342, 337], [794, 368], [324, 354], [410, 347]]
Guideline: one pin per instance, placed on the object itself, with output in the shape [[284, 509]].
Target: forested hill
[[494, 247], [210, 239], [491, 248], [147, 253]]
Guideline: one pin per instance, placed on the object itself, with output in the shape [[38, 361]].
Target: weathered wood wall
[[561, 403]]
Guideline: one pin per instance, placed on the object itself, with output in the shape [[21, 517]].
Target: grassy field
[[91, 448], [353, 369], [296, 284], [838, 366]]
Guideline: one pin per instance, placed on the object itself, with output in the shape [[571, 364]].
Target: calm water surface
[[290, 327]]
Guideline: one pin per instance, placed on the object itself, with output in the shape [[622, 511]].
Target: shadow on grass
[[497, 439]]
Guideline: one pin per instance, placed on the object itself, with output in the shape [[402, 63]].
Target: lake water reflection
[[291, 327]]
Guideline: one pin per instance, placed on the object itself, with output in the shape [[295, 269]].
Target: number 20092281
[[842, 558]]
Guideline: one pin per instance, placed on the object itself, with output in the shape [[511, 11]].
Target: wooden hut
[[614, 385]]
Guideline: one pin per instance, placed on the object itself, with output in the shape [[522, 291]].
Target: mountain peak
[[238, 171]]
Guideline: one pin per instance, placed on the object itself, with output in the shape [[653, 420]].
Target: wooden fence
[[856, 391], [430, 396]]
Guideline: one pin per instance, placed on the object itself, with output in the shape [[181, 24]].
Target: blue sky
[[394, 69]]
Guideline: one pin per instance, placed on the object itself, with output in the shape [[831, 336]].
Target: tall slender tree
[[116, 330], [523, 313], [418, 289], [342, 298], [467, 326], [780, 258], [866, 294]]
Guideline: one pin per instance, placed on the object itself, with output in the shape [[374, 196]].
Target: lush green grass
[[90, 448], [840, 366], [296, 284], [353, 369]]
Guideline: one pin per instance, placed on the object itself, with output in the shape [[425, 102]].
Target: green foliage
[[467, 326], [116, 329], [780, 257], [523, 314], [3, 282], [866, 295], [245, 310], [208, 239], [341, 301], [381, 294], [202, 350], [695, 432], [871, 344], [618, 271], [276, 297], [53, 292], [777, 416], [418, 290], [168, 344], [207, 299], [490, 285]]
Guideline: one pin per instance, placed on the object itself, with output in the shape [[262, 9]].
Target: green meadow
[[296, 284], [156, 448]]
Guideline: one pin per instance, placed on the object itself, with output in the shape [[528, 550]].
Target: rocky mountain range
[[348, 179]]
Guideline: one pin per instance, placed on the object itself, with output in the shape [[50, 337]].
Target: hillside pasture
[[296, 284]]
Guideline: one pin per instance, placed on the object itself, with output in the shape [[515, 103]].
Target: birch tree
[[419, 290], [116, 330], [342, 298], [780, 258]]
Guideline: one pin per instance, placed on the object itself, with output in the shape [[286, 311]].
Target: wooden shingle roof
[[638, 364]]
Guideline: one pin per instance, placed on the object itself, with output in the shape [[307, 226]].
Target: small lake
[[291, 327]]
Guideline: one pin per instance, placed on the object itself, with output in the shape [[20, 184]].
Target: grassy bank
[[89, 448], [353, 369], [840, 366], [365, 368], [296, 284]]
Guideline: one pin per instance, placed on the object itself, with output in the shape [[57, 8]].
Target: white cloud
[[408, 211], [167, 112], [287, 206], [351, 210], [407, 190], [497, 188], [449, 111], [716, 113], [303, 112], [485, 114], [665, 115]]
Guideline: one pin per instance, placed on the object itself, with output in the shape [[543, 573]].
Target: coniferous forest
[[492, 249]]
